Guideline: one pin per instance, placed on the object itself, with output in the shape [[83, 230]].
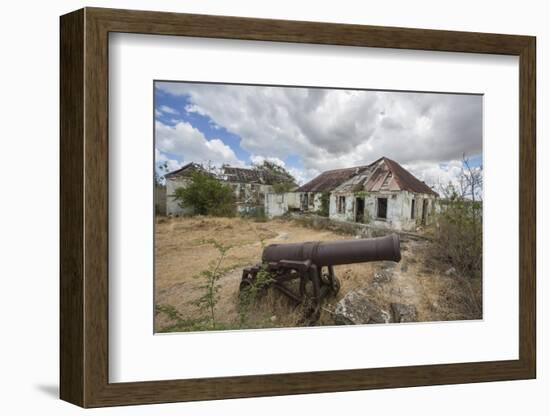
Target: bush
[[458, 235], [207, 196], [325, 204], [258, 215], [283, 187]]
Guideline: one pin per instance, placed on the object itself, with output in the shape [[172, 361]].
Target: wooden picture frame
[[84, 207]]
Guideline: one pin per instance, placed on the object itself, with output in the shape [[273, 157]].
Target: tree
[[459, 235], [160, 173], [281, 179], [207, 196]]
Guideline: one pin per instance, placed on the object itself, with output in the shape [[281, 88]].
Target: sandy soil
[[182, 251]]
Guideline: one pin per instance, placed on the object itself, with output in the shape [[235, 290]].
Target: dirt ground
[[183, 251]]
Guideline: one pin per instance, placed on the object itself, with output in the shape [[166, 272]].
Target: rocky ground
[[416, 289]]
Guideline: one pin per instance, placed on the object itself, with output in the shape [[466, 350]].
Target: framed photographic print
[[255, 207]]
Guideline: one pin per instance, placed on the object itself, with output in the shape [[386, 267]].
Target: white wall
[[398, 216], [29, 236], [279, 204], [172, 205], [276, 205]]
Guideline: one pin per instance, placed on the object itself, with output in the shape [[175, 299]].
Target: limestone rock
[[356, 309], [381, 277], [403, 313]]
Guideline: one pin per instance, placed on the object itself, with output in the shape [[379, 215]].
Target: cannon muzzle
[[332, 253]]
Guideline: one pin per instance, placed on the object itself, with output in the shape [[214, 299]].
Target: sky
[[311, 130]]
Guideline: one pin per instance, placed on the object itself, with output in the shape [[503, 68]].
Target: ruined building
[[382, 194], [250, 186], [385, 195]]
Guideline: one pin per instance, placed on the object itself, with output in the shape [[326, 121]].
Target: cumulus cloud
[[329, 128], [438, 176], [191, 145]]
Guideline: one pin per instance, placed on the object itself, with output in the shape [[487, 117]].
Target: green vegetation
[[283, 187], [280, 178], [207, 196], [325, 205], [361, 194], [206, 303], [458, 234], [270, 169], [208, 300], [249, 295], [179, 323]]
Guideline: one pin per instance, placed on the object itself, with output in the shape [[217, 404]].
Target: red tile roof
[[406, 181]]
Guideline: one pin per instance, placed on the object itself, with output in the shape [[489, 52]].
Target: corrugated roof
[[234, 174], [382, 175], [185, 170], [329, 180], [241, 175]]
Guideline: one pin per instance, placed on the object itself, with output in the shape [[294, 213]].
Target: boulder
[[403, 313], [356, 309]]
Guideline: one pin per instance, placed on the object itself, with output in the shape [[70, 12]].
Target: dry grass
[[181, 253]]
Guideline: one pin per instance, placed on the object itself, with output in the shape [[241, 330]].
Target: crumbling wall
[[172, 205], [250, 197], [398, 209], [279, 204]]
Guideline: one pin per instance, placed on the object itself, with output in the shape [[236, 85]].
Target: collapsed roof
[[245, 175], [233, 174], [185, 170], [329, 180], [382, 175]]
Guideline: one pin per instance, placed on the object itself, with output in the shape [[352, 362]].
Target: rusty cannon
[[312, 264]]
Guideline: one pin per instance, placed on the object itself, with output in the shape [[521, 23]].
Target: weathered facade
[[311, 194], [250, 187], [384, 195], [277, 204], [179, 179]]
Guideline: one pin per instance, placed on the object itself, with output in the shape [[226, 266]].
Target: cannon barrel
[[325, 253]]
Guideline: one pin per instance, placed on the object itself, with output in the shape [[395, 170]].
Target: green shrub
[[325, 204], [458, 235], [207, 196], [283, 187]]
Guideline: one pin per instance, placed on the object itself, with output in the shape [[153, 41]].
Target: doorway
[[359, 209], [424, 211]]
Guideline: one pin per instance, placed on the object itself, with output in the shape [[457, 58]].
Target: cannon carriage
[[312, 263]]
